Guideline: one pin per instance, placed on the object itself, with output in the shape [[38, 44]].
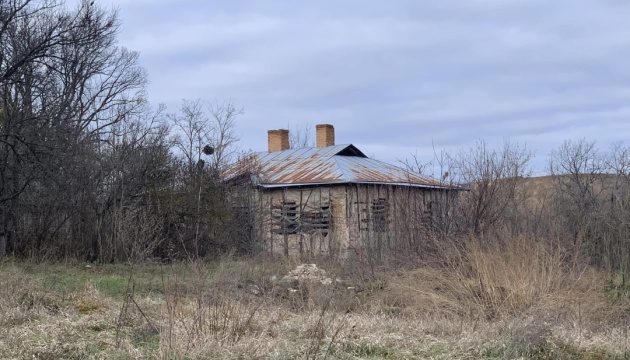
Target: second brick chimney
[[277, 140], [325, 134]]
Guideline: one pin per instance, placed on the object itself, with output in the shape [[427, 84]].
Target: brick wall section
[[277, 140], [325, 135]]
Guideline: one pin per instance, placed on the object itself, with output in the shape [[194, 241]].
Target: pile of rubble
[[307, 273]]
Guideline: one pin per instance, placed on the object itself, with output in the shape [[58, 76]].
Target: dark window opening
[[285, 218], [380, 215], [316, 221]]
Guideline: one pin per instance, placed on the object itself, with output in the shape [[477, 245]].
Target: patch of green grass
[[492, 353], [373, 351], [552, 349], [120, 355], [98, 327], [147, 338], [433, 351], [41, 340], [112, 285], [94, 348], [64, 280], [18, 320], [111, 280]]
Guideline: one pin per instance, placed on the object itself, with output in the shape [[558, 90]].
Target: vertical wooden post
[[271, 222], [3, 245], [394, 216], [284, 225], [301, 207]]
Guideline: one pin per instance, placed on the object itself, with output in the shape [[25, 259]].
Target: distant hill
[[538, 190]]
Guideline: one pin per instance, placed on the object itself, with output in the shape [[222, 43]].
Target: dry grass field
[[519, 300]]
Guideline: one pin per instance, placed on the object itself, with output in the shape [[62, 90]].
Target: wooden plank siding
[[344, 221]]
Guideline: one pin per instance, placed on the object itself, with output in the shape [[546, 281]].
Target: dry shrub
[[228, 317], [324, 330], [22, 296], [16, 287], [211, 313], [486, 281], [513, 275]]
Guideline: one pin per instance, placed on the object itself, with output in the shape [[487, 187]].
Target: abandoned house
[[333, 200]]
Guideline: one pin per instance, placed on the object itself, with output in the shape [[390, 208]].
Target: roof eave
[[342, 182]]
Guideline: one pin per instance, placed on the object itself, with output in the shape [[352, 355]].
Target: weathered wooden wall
[[344, 221], [299, 221], [388, 218]]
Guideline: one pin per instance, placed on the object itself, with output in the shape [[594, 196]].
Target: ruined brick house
[[333, 199]]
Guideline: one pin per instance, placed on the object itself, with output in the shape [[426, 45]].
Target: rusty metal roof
[[338, 164]]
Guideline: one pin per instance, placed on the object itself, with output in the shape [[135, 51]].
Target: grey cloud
[[396, 76]]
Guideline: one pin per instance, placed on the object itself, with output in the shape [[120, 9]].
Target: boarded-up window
[[285, 218], [380, 215], [316, 221]]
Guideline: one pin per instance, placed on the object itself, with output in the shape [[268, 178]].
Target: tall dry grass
[[511, 276], [497, 279], [499, 300]]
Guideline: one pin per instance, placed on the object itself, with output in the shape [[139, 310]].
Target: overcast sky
[[396, 77]]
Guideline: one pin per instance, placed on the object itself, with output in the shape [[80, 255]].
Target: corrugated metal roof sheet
[[336, 164]]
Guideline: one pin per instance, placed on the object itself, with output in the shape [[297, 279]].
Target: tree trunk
[[3, 246]]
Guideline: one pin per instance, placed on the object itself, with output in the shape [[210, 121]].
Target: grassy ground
[[234, 309]]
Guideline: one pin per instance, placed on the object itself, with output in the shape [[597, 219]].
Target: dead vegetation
[[517, 300]]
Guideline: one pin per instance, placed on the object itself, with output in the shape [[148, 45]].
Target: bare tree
[[300, 137], [192, 133], [203, 132], [135, 170], [224, 137], [492, 178], [416, 165], [82, 157], [578, 168], [204, 128], [618, 246], [591, 201], [581, 164], [63, 81], [618, 163]]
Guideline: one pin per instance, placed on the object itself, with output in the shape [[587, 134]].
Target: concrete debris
[[308, 273], [255, 290]]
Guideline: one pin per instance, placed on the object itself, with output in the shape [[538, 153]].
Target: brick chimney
[[277, 140], [325, 134]]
